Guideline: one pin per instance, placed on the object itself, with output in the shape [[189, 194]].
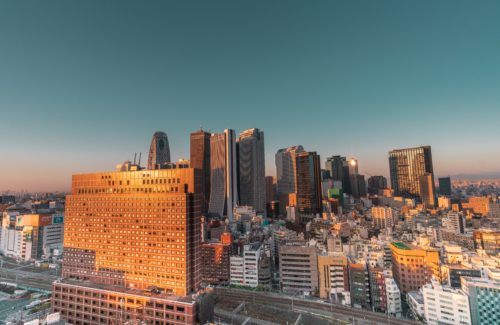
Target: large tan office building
[[132, 247]]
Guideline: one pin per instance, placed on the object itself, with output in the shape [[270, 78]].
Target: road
[[361, 316]]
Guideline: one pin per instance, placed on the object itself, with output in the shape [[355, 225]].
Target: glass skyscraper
[[159, 150], [406, 168]]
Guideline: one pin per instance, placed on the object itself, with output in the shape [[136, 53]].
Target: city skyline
[[337, 78], [63, 183]]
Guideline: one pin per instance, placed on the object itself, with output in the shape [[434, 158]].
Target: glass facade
[[406, 168]]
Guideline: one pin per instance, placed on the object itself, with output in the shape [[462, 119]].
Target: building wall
[[413, 266], [215, 263], [200, 159], [444, 305], [286, 169], [309, 199], [484, 299], [333, 276], [81, 305], [252, 169], [406, 166], [223, 180], [359, 285], [298, 268], [135, 229]]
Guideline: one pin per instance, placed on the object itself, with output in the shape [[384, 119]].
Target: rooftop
[[129, 291], [401, 245]]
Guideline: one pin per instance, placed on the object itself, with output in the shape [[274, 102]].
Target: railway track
[[293, 303]]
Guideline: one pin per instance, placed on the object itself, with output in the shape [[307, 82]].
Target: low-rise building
[[415, 301], [333, 277], [445, 305], [31, 236], [484, 300], [393, 297], [298, 268], [359, 285], [215, 260], [413, 266], [252, 268]]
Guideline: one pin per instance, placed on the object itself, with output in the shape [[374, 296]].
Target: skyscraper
[[159, 150], [132, 238], [308, 180], [406, 167], [445, 186], [252, 188], [427, 193], [376, 183], [335, 165], [200, 159], [285, 169], [223, 174], [270, 189]]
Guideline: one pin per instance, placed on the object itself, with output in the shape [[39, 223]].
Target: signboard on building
[[57, 219]]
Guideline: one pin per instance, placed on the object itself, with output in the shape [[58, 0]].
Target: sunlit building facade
[[134, 236], [427, 187], [413, 266], [215, 260], [406, 167], [200, 159]]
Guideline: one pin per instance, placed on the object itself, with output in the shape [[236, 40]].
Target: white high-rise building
[[445, 305], [252, 169], [223, 176]]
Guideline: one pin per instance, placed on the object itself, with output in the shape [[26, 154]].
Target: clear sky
[[85, 84]]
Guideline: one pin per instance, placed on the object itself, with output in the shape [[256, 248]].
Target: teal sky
[[84, 85]]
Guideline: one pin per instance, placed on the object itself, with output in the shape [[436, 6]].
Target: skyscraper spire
[[159, 150]]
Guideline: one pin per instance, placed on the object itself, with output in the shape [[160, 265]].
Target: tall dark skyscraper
[[376, 183], [223, 174], [252, 188], [286, 169], [335, 165], [309, 199], [406, 167], [358, 185], [200, 159], [159, 150], [445, 186]]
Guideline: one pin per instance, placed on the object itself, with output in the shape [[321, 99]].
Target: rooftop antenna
[[135, 155], [140, 153]]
